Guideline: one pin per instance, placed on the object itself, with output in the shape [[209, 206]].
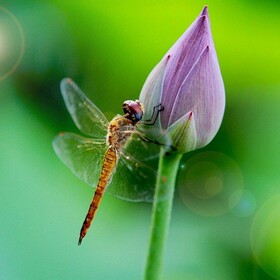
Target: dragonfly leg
[[152, 120], [148, 140]]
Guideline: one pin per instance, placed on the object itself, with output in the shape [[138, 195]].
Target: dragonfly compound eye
[[133, 110]]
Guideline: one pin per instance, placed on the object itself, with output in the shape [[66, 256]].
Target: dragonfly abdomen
[[109, 164]]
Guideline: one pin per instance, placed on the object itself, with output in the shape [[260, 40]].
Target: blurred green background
[[225, 220]]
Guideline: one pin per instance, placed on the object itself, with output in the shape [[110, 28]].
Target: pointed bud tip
[[188, 117], [204, 11]]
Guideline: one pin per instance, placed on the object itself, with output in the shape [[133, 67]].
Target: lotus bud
[[188, 83]]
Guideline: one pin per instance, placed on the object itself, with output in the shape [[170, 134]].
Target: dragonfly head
[[133, 110]]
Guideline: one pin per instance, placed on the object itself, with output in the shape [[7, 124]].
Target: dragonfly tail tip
[[80, 241]]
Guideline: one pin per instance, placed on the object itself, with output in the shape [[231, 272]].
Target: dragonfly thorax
[[133, 110], [119, 130]]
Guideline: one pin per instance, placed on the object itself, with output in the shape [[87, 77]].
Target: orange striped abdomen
[[109, 164]]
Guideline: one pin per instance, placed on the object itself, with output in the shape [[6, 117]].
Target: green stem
[[161, 213]]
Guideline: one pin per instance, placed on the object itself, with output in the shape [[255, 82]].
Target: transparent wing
[[83, 156], [87, 117], [133, 181], [135, 175]]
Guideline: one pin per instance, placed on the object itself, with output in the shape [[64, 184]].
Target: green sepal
[[183, 134]]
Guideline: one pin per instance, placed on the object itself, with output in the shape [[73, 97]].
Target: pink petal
[[202, 92], [183, 54]]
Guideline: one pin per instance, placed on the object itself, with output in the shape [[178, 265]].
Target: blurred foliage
[[109, 47]]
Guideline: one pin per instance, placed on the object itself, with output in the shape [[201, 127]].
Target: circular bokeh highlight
[[11, 43], [207, 182], [265, 237]]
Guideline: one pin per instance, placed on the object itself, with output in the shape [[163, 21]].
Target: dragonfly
[[114, 150]]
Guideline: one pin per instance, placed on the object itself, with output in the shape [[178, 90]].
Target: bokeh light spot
[[213, 185], [265, 237], [246, 205], [11, 43], [207, 182]]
